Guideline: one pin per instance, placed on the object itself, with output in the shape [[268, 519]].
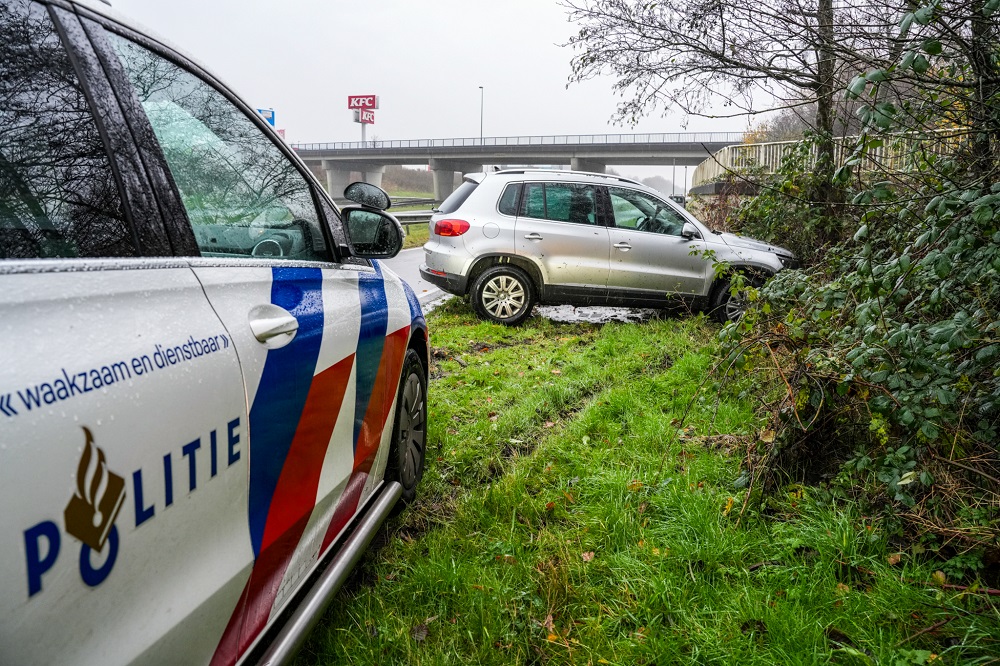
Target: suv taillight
[[450, 227]]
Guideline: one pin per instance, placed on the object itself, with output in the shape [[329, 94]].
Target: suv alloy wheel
[[503, 295]]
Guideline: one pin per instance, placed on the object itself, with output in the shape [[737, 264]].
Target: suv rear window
[[560, 202], [458, 197]]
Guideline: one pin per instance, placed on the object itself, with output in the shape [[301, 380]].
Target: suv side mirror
[[372, 234], [690, 232]]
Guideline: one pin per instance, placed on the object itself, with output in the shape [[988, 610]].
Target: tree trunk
[[983, 111], [826, 194]]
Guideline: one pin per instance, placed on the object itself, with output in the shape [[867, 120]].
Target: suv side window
[[242, 195], [640, 212], [509, 199], [560, 202], [58, 194]]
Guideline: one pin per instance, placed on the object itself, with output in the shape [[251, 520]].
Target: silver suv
[[511, 239]]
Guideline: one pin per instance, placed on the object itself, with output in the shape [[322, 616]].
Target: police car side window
[[242, 195], [58, 195]]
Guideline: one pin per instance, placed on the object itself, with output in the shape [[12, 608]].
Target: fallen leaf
[[430, 619], [549, 624], [642, 508], [419, 632], [656, 551], [729, 506], [767, 436], [843, 589], [550, 506], [569, 497], [552, 638], [556, 371], [634, 485], [548, 424], [939, 578], [588, 556], [894, 559]]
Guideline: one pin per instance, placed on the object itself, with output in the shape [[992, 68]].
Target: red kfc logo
[[362, 102]]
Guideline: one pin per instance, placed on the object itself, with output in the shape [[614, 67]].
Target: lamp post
[[481, 94]]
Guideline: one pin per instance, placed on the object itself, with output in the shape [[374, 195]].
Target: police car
[[211, 392]]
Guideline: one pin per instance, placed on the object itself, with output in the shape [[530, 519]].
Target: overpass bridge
[[446, 157]]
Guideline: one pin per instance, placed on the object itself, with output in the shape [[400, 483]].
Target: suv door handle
[[533, 236], [273, 326], [623, 246]]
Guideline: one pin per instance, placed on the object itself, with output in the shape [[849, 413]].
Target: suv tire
[[503, 295], [409, 430], [723, 306]]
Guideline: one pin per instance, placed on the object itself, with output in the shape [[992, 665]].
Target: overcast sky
[[425, 59]]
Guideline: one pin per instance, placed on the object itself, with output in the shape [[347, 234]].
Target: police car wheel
[[409, 433]]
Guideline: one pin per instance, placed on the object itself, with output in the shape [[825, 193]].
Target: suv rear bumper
[[453, 284]]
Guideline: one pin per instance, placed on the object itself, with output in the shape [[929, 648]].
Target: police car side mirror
[[372, 234], [368, 195]]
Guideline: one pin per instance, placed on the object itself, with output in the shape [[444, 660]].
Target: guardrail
[[412, 217], [556, 140], [893, 154], [413, 201]]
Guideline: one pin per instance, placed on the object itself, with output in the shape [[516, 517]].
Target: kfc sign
[[362, 102], [364, 117]]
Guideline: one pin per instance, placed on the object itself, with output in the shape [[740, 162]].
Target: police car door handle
[[273, 326], [533, 236]]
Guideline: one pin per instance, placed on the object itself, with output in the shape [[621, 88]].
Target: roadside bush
[[784, 211], [887, 351]]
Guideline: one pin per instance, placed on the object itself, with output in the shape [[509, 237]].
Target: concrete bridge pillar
[[587, 164], [337, 180], [338, 175], [444, 175], [373, 175]]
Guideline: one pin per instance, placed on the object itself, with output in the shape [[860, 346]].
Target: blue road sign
[[268, 115]]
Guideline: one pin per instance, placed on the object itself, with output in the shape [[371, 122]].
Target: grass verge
[[416, 235], [568, 515]]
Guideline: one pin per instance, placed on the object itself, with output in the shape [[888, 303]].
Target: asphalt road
[[406, 265]]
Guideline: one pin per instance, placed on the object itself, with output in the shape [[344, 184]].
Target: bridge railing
[[892, 154], [556, 140]]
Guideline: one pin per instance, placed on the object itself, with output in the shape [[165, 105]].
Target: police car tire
[[503, 277], [409, 429]]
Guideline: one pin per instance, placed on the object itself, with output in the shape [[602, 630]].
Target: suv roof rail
[[576, 173]]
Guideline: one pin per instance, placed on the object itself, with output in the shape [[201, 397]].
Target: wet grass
[[416, 235], [567, 517]]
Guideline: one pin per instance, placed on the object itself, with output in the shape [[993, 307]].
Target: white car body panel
[[90, 319]]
